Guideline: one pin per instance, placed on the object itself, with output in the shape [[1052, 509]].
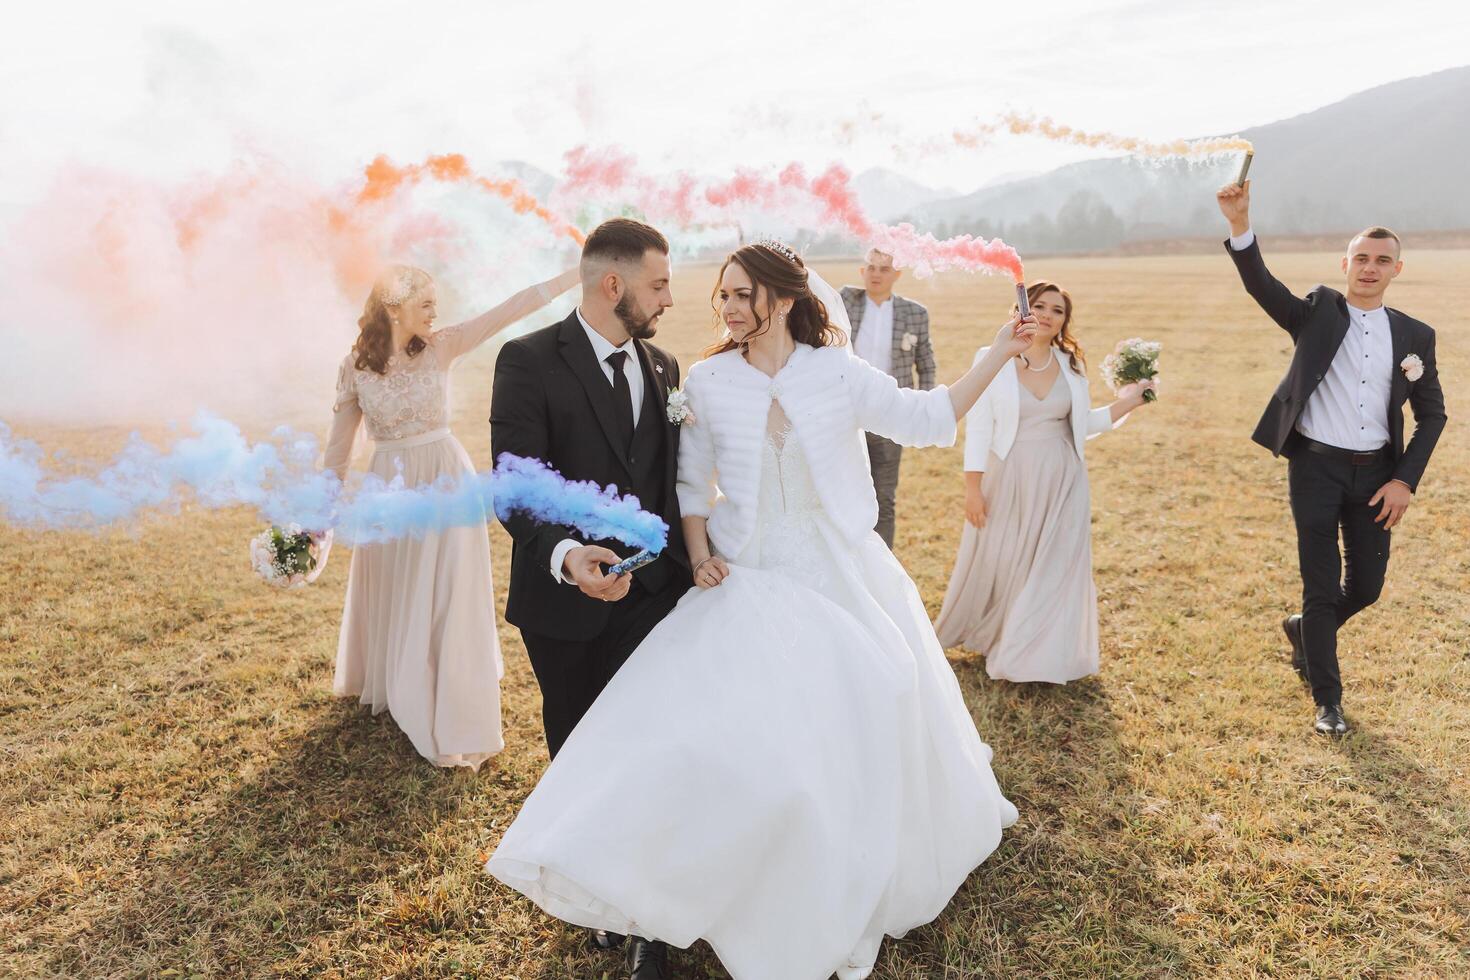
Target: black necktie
[[622, 397]]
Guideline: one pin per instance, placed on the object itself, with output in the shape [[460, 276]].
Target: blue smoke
[[218, 467]]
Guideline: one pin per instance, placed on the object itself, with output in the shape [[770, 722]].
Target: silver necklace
[[1049, 359]]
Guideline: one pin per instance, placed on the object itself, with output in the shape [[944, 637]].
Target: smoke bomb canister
[[1245, 166]]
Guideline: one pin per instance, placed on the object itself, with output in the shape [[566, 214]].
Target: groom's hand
[[584, 567], [1395, 497], [1235, 205]]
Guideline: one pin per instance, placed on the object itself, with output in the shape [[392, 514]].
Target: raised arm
[[928, 418], [346, 419], [1012, 338], [1281, 304], [464, 337]]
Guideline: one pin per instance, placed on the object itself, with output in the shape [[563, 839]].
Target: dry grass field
[[180, 794]]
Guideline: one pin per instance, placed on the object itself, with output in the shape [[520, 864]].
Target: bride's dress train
[[785, 767]]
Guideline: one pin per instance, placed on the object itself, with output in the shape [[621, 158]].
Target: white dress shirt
[[1349, 408], [632, 367], [633, 371], [875, 336]]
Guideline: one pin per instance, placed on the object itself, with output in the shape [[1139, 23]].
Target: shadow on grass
[[313, 862], [276, 863], [1072, 888], [1426, 817]]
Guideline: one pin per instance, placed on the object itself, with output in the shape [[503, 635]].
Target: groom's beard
[[640, 325]]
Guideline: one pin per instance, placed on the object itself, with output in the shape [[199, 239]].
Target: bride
[[785, 767]]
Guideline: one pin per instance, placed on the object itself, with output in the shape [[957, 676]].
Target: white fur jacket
[[831, 398], [990, 427]]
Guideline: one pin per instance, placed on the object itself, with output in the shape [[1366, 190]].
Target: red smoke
[[611, 177]]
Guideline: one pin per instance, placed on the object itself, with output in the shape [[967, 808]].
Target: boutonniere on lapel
[[677, 408], [909, 340], [1413, 367]]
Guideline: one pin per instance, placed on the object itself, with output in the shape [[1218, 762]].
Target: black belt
[[1379, 455]]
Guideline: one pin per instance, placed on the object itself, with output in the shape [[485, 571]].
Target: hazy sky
[[190, 85]]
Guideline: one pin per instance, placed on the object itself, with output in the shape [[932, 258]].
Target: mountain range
[[1394, 155]]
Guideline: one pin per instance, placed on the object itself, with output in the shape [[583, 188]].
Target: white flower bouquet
[[1131, 361], [288, 557]]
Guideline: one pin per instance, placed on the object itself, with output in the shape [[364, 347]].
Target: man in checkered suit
[[892, 334]]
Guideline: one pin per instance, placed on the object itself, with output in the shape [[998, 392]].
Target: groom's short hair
[[1378, 231], [622, 240]]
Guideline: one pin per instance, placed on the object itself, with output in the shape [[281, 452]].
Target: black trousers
[[572, 673], [1329, 497]]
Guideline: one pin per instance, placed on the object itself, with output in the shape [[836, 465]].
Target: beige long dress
[[418, 628], [1022, 592]]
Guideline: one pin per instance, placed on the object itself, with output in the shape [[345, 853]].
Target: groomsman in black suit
[[1338, 417], [588, 396]]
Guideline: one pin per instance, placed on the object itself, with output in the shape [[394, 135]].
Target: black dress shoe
[[1292, 627], [602, 941], [1330, 720], [648, 959]]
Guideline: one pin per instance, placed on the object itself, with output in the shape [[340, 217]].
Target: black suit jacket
[[1317, 324], [553, 403]]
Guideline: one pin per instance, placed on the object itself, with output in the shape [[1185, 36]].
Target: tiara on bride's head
[[396, 287], [780, 248]]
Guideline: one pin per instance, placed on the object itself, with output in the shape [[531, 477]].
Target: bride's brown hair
[[397, 285], [776, 276]]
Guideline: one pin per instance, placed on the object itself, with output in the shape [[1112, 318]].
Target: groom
[[588, 396], [1338, 417]]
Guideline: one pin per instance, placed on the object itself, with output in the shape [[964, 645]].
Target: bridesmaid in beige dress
[[1022, 592], [418, 629]]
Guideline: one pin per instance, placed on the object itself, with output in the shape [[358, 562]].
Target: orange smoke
[[239, 290], [1046, 128], [384, 179]]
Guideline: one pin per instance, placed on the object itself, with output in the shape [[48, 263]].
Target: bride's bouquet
[[1132, 360], [288, 557]]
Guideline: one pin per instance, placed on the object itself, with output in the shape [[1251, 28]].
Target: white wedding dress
[[784, 768]]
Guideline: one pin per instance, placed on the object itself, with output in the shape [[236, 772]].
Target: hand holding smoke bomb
[[1245, 167], [633, 562], [1023, 303]]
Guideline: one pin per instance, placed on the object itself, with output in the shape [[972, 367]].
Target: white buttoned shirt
[[1349, 407], [875, 336]]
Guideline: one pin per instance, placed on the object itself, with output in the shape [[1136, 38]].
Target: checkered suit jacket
[[913, 368]]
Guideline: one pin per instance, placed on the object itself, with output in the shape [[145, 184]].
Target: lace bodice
[[410, 398]]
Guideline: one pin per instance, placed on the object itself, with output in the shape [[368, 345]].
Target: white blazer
[[831, 398], [990, 426]]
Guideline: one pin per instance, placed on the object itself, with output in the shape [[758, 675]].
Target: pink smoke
[[130, 298], [826, 201]]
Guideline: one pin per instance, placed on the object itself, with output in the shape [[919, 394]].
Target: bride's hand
[[1016, 335], [710, 572]]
